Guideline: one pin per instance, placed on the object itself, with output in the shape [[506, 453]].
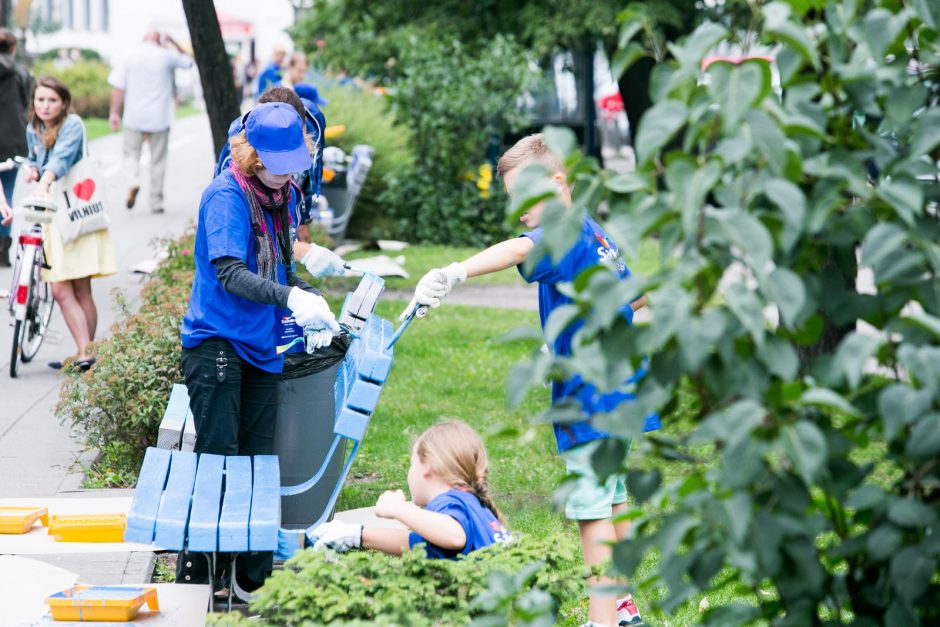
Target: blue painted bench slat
[[233, 524], [174, 505], [142, 516], [207, 503], [265, 504]]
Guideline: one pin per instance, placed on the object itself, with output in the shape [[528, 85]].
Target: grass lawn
[[422, 257], [98, 127], [452, 365]]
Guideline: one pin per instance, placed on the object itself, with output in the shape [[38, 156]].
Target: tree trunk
[[634, 87], [215, 71]]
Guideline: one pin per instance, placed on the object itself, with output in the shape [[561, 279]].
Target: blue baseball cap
[[276, 132], [309, 92]]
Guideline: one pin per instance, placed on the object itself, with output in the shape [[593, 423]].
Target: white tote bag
[[81, 198]]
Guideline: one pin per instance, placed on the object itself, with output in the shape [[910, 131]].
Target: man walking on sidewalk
[[144, 85]]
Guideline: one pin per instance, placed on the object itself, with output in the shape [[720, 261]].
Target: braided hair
[[455, 454]]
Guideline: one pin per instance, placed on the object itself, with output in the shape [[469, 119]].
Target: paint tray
[[88, 527], [102, 603], [21, 519]]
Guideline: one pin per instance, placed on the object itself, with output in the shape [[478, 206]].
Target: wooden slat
[[174, 505], [174, 418], [207, 503], [142, 516], [265, 504], [233, 524]]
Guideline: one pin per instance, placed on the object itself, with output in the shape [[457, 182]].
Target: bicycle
[[31, 302]]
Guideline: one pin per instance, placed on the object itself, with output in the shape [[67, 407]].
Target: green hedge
[[369, 588], [119, 402]]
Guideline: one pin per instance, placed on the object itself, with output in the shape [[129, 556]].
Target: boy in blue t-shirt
[[591, 504]]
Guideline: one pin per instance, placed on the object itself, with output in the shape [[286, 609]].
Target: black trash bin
[[304, 433]]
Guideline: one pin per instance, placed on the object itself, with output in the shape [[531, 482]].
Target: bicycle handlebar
[[11, 163]]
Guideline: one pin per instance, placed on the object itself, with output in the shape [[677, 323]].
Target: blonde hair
[[528, 150], [454, 453], [246, 157]]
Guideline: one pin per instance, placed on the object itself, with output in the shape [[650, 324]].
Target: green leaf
[[924, 441], [854, 350], [866, 497], [791, 202], [699, 337], [625, 57], [883, 541], [532, 185], [632, 23], [747, 233], [906, 196], [657, 127], [926, 134], [806, 446], [777, 25], [911, 571], [519, 382], [784, 288], [738, 88], [561, 140], [731, 425], [768, 139], [927, 11], [882, 28], [779, 357], [827, 399], [747, 309], [925, 321], [690, 53], [900, 405], [627, 182], [561, 227], [911, 513], [607, 458], [641, 485]]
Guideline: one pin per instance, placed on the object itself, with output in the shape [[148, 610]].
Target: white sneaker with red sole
[[627, 613]]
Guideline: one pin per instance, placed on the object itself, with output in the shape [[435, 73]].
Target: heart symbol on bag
[[84, 189]]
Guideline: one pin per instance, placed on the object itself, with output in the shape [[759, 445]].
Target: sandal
[[85, 364]]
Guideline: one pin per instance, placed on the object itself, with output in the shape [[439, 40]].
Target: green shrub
[[457, 101], [368, 121], [88, 82], [119, 402], [368, 587]]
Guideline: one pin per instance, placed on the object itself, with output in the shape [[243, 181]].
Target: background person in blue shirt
[[271, 74], [244, 274], [590, 503], [451, 512]]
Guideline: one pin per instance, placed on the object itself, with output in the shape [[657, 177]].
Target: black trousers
[[234, 405]]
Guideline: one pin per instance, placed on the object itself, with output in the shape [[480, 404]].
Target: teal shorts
[[590, 500]]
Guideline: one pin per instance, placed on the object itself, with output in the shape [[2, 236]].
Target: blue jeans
[[8, 180]]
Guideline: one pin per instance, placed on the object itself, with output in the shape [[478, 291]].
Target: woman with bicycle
[[55, 138], [244, 274]]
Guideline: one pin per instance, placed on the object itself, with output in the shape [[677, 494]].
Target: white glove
[[434, 286], [315, 339], [310, 310], [321, 262], [336, 535]]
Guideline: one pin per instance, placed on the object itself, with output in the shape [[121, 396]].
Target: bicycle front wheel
[[19, 330], [38, 314]]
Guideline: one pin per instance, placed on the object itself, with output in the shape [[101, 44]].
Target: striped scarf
[[274, 201]]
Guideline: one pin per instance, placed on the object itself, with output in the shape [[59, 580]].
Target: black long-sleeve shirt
[[236, 278]]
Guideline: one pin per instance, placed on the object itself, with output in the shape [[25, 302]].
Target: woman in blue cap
[[243, 277]]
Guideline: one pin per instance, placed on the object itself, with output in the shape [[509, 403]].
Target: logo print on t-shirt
[[607, 251]]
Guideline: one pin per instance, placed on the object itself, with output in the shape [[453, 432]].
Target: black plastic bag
[[301, 364]]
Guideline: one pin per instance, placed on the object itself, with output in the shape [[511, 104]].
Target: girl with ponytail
[[451, 510]]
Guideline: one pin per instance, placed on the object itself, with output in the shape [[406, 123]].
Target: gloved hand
[[316, 338], [434, 286], [310, 310], [336, 535], [321, 262]]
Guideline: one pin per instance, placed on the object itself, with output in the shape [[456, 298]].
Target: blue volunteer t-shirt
[[224, 230], [478, 522], [593, 247]]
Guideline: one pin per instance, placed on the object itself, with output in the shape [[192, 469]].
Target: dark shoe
[[157, 210], [55, 365], [5, 242], [132, 197], [85, 364]]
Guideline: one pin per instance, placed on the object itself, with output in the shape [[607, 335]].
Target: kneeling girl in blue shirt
[[451, 511]]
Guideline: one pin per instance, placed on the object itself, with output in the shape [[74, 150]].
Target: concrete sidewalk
[[37, 454]]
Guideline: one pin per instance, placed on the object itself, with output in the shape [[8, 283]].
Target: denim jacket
[[65, 152]]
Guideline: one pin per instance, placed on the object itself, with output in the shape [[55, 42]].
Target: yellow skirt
[[90, 255]]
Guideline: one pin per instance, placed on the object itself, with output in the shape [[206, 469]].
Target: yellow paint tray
[[88, 527], [102, 603], [21, 519]]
